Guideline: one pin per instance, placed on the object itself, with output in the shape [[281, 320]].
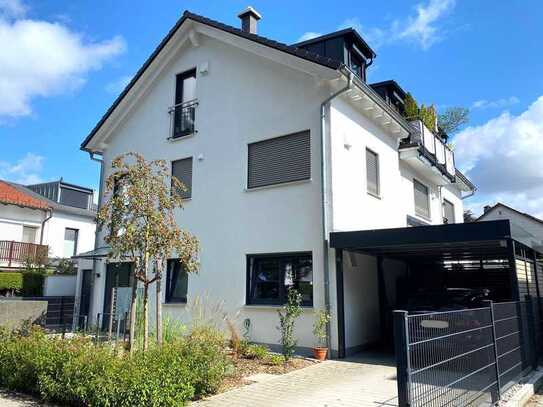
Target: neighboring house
[[56, 219], [528, 226], [280, 147]]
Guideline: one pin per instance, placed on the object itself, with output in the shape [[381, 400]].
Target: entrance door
[[84, 305], [118, 278]]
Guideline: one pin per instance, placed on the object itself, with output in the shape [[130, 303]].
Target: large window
[[70, 242], [184, 109], [279, 160], [448, 212], [270, 276], [182, 170], [422, 199], [177, 280], [74, 197], [372, 173]]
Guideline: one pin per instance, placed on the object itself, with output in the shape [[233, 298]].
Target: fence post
[[530, 315], [490, 304], [403, 368], [10, 255]]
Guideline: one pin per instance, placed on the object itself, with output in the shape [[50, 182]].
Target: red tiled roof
[[11, 195]]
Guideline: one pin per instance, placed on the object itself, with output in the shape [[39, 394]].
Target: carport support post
[[340, 304], [513, 269], [403, 366]]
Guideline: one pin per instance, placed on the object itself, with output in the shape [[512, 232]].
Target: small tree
[[411, 108], [287, 317], [322, 318], [453, 119], [139, 215], [469, 216]]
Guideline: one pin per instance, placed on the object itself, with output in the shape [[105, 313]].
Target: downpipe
[[324, 199]]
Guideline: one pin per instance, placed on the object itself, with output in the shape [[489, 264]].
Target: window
[[357, 65], [422, 199], [372, 173], [279, 160], [182, 170], [184, 109], [269, 277], [176, 282], [29, 234], [448, 212], [73, 197], [70, 242]]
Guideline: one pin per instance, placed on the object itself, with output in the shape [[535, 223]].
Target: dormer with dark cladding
[[345, 46]]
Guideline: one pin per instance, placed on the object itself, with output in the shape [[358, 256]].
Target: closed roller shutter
[[182, 170], [422, 199], [372, 172], [279, 160], [448, 211]]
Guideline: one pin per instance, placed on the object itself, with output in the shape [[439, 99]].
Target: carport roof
[[455, 241]]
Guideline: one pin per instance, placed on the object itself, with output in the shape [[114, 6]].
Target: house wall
[[243, 98], [531, 226], [13, 218], [56, 226]]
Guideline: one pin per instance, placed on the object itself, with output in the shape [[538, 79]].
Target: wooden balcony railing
[[20, 252]]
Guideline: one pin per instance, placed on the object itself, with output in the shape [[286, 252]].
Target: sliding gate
[[465, 357]]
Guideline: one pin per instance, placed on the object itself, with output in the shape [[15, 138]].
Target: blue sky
[[63, 62]]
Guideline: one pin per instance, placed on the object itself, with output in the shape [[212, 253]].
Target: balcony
[[425, 148], [182, 119], [16, 254]]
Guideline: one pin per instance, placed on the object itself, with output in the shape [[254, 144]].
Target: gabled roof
[[13, 196], [526, 215], [289, 49]]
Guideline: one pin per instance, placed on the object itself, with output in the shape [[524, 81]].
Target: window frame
[[423, 216], [378, 167], [167, 294], [76, 240], [446, 201], [249, 301], [178, 93], [189, 187]]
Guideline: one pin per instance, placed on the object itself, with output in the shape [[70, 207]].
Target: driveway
[[365, 380]]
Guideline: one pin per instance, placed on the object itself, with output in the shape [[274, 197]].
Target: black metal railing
[[182, 118], [465, 357]]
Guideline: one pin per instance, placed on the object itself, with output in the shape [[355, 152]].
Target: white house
[[280, 147], [56, 219]]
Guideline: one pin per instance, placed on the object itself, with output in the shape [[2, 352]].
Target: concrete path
[[361, 381]]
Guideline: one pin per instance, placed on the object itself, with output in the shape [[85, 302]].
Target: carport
[[493, 255]]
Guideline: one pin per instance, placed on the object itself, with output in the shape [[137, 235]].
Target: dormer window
[[357, 65]]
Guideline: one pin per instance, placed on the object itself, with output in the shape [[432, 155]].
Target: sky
[[62, 63]]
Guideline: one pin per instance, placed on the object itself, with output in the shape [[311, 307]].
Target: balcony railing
[[182, 118], [20, 252], [433, 148]]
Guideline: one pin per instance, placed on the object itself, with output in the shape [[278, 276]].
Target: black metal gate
[[465, 357]]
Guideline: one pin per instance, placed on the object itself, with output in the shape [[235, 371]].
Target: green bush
[[32, 283], [11, 283], [77, 372], [254, 351], [275, 360]]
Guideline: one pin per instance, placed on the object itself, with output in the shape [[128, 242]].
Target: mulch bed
[[248, 367]]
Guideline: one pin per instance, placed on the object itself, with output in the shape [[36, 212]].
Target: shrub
[[32, 283], [11, 283], [254, 351], [275, 360], [77, 372], [287, 318], [322, 318]]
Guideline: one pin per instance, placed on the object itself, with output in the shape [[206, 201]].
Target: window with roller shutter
[[448, 211], [372, 173], [182, 170], [279, 160], [422, 199]]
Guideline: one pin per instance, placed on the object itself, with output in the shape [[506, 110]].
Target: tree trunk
[[133, 304], [158, 282], [145, 316]]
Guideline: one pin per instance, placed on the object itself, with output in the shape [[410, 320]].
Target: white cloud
[[117, 86], [26, 170], [503, 158], [308, 36], [422, 28], [495, 104], [41, 59]]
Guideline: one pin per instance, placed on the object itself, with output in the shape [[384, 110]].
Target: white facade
[[55, 230], [246, 93]]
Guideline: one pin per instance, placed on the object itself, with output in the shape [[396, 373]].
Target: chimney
[[249, 18], [487, 208]]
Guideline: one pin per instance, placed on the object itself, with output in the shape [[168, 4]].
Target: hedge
[[77, 372], [27, 283]]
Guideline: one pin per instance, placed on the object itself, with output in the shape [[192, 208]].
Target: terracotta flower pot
[[320, 353]]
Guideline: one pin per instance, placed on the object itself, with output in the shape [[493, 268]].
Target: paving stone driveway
[[360, 381]]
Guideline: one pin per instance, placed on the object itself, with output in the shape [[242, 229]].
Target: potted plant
[[322, 317]]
